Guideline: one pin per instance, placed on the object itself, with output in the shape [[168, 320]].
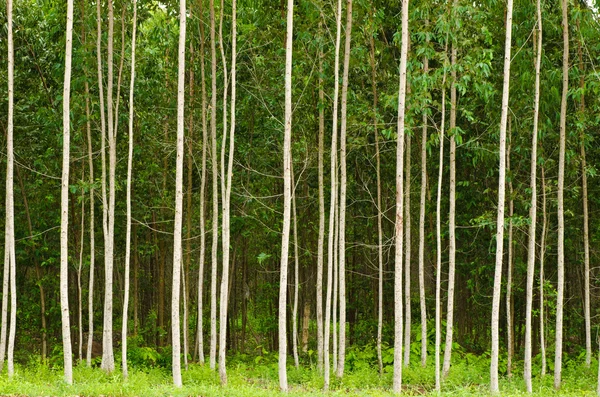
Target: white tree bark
[[5, 296], [331, 263], [399, 222], [560, 287], [10, 206], [79, 270], [509, 277], [407, 309], [177, 257], [533, 203], [321, 238], [542, 281], [129, 173], [64, 205], [342, 243], [494, 388], [287, 198], [296, 275]]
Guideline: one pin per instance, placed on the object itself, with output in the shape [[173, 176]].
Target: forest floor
[[257, 378]]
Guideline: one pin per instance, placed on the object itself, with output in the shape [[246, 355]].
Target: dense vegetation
[[454, 87]]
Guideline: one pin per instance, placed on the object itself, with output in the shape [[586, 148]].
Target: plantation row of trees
[[358, 204]]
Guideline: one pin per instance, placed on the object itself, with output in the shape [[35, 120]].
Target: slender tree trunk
[[379, 211], [586, 217], [331, 263], [451, 215], [287, 198], [560, 287], [108, 360], [509, 312], [501, 194], [342, 247], [407, 310], [64, 216], [79, 270], [399, 223], [9, 245], [5, 296], [542, 281], [533, 208], [423, 303], [296, 274], [438, 224], [227, 197], [336, 283], [128, 226], [200, 330], [321, 238], [175, 326], [215, 195]]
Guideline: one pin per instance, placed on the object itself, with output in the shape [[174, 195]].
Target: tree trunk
[[560, 249], [542, 281], [331, 263], [296, 274], [407, 310], [533, 207], [128, 226], [287, 198], [321, 238], [509, 311], [501, 194], [79, 270], [399, 222], [177, 260], [64, 215]]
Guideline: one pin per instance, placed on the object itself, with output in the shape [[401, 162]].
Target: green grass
[[250, 378]]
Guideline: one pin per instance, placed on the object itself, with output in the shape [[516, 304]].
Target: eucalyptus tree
[[533, 207], [287, 197], [560, 287], [343, 187], [128, 226], [399, 222], [177, 257], [494, 388], [64, 201]]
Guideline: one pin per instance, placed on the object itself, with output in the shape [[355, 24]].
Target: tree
[[560, 192], [64, 201], [399, 223], [287, 197], [296, 275], [129, 172], [343, 187], [177, 257], [501, 195], [510, 264], [542, 280], [533, 208], [321, 238]]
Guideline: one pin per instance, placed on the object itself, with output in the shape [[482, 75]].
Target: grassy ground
[[249, 379]]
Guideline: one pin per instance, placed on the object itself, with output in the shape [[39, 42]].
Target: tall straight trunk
[[215, 188], [379, 211], [438, 224], [422, 302], [128, 226], [560, 249], [533, 204], [9, 239], [343, 177], [451, 216], [331, 263], [542, 281], [5, 296], [509, 312], [501, 197], [407, 310], [321, 238], [586, 217], [79, 271], [108, 359], [336, 283], [103, 153], [296, 276], [399, 223], [287, 197], [177, 260], [199, 329], [64, 206], [227, 199]]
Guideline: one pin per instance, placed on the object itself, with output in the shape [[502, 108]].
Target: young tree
[[296, 275], [177, 260], [560, 287], [128, 226], [287, 197], [399, 223], [542, 280], [510, 264], [501, 196], [64, 204], [407, 238], [537, 43], [343, 186], [79, 271], [321, 238]]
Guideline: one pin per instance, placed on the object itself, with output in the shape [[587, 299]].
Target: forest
[[366, 197]]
